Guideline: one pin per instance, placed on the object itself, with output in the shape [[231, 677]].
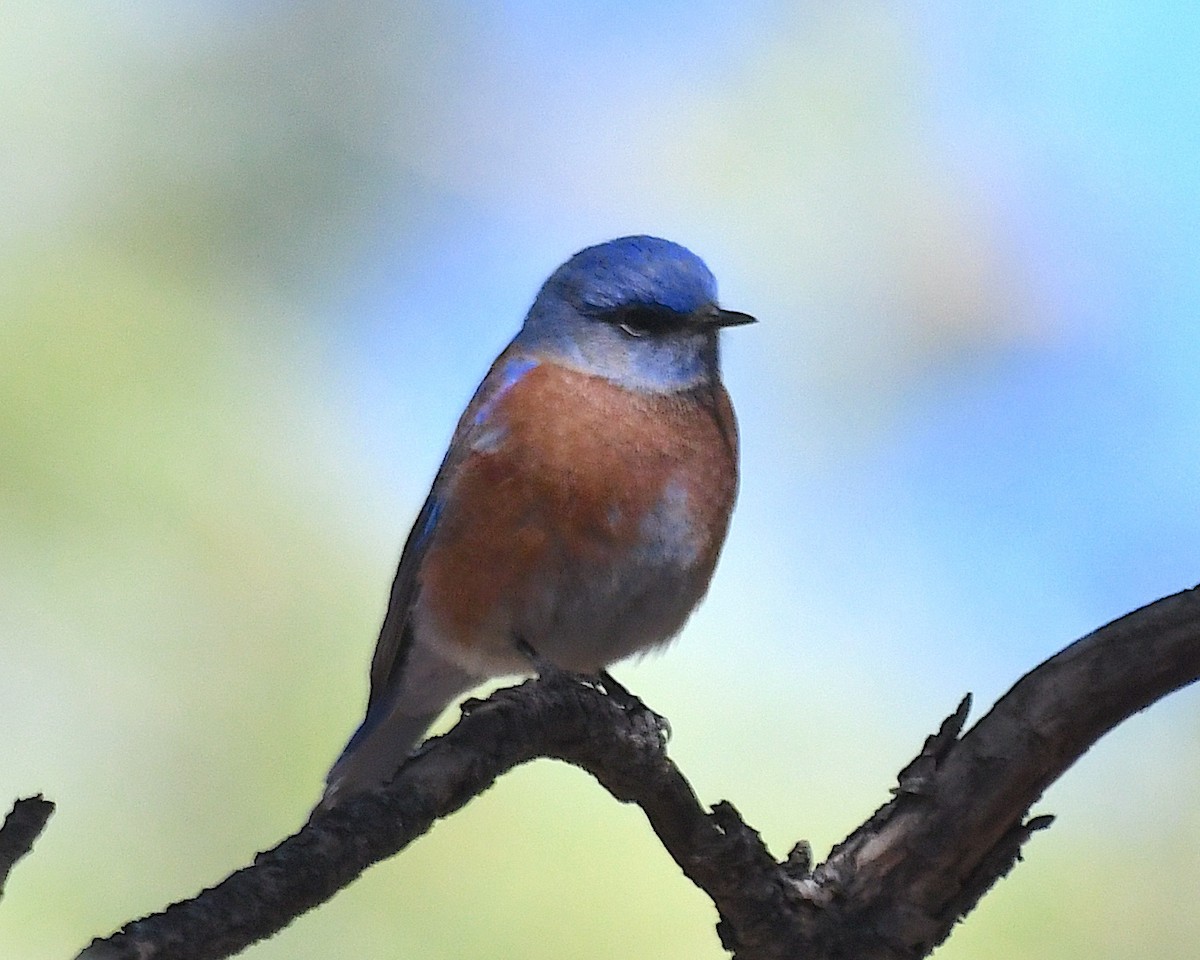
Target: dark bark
[[21, 828], [893, 889]]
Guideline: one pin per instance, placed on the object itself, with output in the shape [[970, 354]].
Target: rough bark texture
[[21, 828], [893, 890]]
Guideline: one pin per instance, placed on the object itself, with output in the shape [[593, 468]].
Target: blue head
[[639, 311]]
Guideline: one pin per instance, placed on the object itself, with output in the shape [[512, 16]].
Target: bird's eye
[[641, 321]]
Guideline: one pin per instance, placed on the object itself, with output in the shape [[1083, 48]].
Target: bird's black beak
[[731, 318]]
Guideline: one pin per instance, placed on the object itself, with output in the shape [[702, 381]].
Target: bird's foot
[[604, 682], [633, 704]]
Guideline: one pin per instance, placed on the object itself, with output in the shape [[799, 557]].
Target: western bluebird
[[581, 506]]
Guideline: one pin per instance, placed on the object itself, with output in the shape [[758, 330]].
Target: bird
[[579, 511]]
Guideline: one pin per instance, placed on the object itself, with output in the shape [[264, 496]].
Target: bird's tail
[[373, 756], [393, 726]]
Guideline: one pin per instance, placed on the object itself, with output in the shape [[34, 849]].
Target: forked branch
[[893, 889]]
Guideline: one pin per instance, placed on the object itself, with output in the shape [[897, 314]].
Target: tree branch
[[893, 889], [921, 862], [23, 825]]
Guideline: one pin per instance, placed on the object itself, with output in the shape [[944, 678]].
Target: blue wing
[[475, 430]]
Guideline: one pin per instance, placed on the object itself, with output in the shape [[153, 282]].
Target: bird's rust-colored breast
[[571, 466]]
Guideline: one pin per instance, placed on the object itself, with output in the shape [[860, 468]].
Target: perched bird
[[581, 506]]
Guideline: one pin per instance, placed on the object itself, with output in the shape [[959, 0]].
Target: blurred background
[[254, 258]]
